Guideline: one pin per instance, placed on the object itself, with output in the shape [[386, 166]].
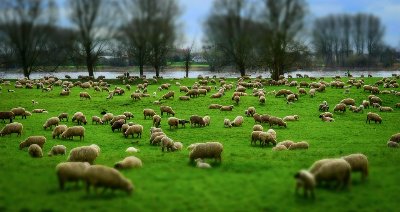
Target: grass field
[[250, 178]]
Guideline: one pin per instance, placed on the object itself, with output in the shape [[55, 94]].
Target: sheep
[[266, 138], [258, 127], [306, 180], [184, 98], [63, 116], [395, 138], [237, 122], [193, 93], [184, 89], [167, 143], [102, 176], [148, 112], [340, 107], [255, 136], [154, 135], [117, 125], [374, 117], [385, 109], [326, 114], [156, 121], [154, 129], [83, 154], [392, 144], [365, 103], [167, 109], [173, 122], [291, 98], [84, 95], [375, 99], [276, 121], [250, 111], [348, 101], [226, 108], [183, 122], [227, 123], [358, 163], [39, 140], [132, 150], [128, 115], [74, 131], [178, 145], [58, 131], [206, 150], [327, 119], [70, 171], [197, 120], [207, 120], [201, 164], [134, 129], [128, 163], [291, 118], [107, 117], [39, 111], [261, 99], [35, 151], [257, 118], [57, 150], [12, 128], [317, 164], [19, 111], [168, 95], [302, 91], [157, 139], [286, 143], [214, 106], [312, 92], [7, 115], [236, 99], [136, 96], [279, 148], [337, 170], [299, 145], [118, 118]]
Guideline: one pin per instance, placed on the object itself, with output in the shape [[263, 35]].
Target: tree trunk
[[187, 69], [26, 72], [157, 71], [242, 70], [89, 62], [141, 70]]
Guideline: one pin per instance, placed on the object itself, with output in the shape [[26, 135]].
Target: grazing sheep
[[276, 121], [365, 103], [395, 138], [157, 139], [128, 115], [70, 171], [337, 170], [84, 95], [392, 144], [83, 154], [118, 118], [206, 150], [7, 115], [178, 145], [132, 150], [57, 150], [358, 163], [207, 120], [317, 164], [348, 101], [12, 128], [184, 98], [173, 122], [102, 176], [286, 143], [291, 118], [374, 117], [306, 180], [154, 135], [250, 111], [266, 138], [312, 92], [385, 109], [236, 99], [148, 112], [201, 164], [226, 108], [237, 122], [19, 111], [134, 129], [340, 107], [227, 123], [117, 125], [168, 95], [35, 151], [299, 145], [107, 117], [63, 116], [279, 148], [197, 120], [167, 143], [136, 96], [214, 106], [291, 98], [261, 99], [58, 131], [97, 120], [258, 127], [39, 140], [50, 122], [128, 163], [167, 109], [255, 136], [156, 121], [74, 131]]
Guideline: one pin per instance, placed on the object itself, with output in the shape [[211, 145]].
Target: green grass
[[250, 178]]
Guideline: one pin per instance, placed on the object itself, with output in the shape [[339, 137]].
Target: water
[[192, 74]]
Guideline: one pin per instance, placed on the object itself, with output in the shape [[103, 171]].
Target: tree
[[25, 26], [282, 21], [230, 27], [214, 57], [188, 57]]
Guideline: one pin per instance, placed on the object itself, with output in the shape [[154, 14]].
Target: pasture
[[250, 178]]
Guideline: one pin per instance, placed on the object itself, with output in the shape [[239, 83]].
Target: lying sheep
[[358, 163], [226, 108], [201, 164], [134, 129], [50, 122], [337, 170], [279, 148], [237, 122], [385, 109], [83, 154], [291, 118], [63, 116], [118, 118], [35, 151], [286, 143], [57, 150], [227, 123], [299, 145], [39, 111], [148, 112], [214, 106], [207, 120], [12, 128], [206, 150], [276, 121], [19, 111], [74, 131], [173, 122], [58, 131], [102, 176], [306, 180], [128, 163], [374, 117], [167, 143], [197, 120], [132, 150], [258, 127], [184, 98], [327, 119], [39, 140]]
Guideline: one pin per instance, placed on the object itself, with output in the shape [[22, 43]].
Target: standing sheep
[[83, 154], [196, 120], [207, 120], [258, 127], [337, 170], [97, 120], [50, 122], [276, 121], [35, 151], [84, 95], [63, 116], [134, 129], [148, 112], [206, 150], [57, 150], [102, 176], [128, 163], [12, 128], [340, 107], [70, 172], [173, 122], [167, 143], [358, 163], [237, 122], [7, 115], [227, 123], [374, 117], [250, 111], [167, 109], [306, 180], [156, 121], [58, 131], [266, 138], [39, 140], [74, 131]]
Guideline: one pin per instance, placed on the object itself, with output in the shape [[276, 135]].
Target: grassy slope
[[250, 178]]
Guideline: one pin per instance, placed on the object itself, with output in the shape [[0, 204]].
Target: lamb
[[214, 106], [167, 110], [35, 151], [63, 116], [206, 150], [132, 150], [12, 128], [237, 122], [173, 122], [58, 131], [84, 95], [299, 145], [57, 150], [340, 107], [201, 164], [250, 111], [102, 176], [337, 170], [226, 108], [134, 129], [128, 163], [358, 163], [286, 143], [279, 148], [385, 109], [291, 118], [395, 138], [74, 131], [306, 180], [392, 144], [39, 140], [206, 120], [83, 154], [227, 123], [156, 121], [167, 143], [348, 101], [183, 122], [266, 138], [196, 120], [70, 171], [258, 127], [276, 121], [148, 112], [7, 115], [374, 117]]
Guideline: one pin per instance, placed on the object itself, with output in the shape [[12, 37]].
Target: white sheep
[[128, 163], [237, 122], [35, 151], [337, 170], [358, 163], [201, 164], [134, 129], [206, 150], [74, 131], [57, 150], [102, 176], [291, 118], [70, 171], [83, 154], [306, 180], [258, 127], [132, 150], [59, 130], [207, 120], [227, 123], [39, 140]]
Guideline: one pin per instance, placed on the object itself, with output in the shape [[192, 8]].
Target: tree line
[[245, 34]]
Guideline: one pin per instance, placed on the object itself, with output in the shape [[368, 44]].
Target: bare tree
[[188, 57], [25, 29]]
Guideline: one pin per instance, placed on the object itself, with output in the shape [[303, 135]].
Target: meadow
[[250, 178]]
